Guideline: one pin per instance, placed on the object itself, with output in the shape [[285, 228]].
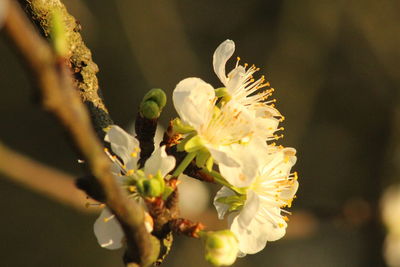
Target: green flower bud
[[150, 109], [221, 247], [154, 188], [153, 103], [57, 34], [149, 187]]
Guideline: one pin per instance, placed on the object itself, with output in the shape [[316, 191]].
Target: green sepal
[[149, 187], [221, 92], [180, 127], [202, 157], [182, 143], [140, 186], [210, 163], [195, 143], [223, 95], [230, 200], [235, 207], [159, 178], [155, 188]]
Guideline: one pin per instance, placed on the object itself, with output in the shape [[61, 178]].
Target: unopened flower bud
[[150, 109], [153, 103], [149, 187], [221, 247]]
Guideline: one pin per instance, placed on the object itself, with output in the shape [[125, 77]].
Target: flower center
[[227, 126]]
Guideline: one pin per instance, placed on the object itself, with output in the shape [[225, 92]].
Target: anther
[[132, 188], [109, 218]]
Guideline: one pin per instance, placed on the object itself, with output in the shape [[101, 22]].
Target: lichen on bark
[[79, 56]]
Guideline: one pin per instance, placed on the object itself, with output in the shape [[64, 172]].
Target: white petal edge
[[194, 101], [221, 207], [122, 144], [159, 161], [221, 55], [108, 231], [250, 209], [249, 158], [251, 239]]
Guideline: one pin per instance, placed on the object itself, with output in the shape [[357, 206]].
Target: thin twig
[[62, 100], [43, 179]]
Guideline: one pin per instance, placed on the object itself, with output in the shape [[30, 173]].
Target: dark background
[[335, 68]]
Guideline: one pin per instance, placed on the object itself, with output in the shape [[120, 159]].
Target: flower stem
[[185, 162]]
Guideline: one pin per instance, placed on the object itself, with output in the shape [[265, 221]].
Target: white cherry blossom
[[106, 228], [244, 90], [260, 218], [226, 131]]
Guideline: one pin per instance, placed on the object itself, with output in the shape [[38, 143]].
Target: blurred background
[[335, 68]]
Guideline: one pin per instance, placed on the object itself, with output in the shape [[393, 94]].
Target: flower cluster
[[148, 181], [229, 134], [234, 126]]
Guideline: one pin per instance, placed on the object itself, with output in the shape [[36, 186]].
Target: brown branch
[[80, 57], [59, 98], [48, 181]]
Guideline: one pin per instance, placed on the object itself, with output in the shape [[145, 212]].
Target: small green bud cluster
[[151, 185], [153, 103]]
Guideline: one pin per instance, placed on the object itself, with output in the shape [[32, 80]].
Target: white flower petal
[[250, 209], [194, 100], [235, 81], [266, 126], [221, 207], [159, 161], [221, 55], [249, 157], [108, 231], [273, 232], [251, 238], [279, 163], [123, 144], [289, 193], [223, 156]]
